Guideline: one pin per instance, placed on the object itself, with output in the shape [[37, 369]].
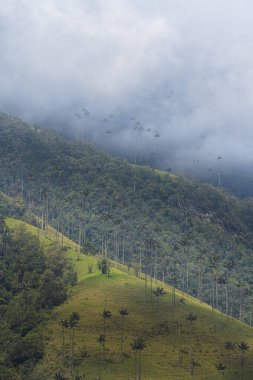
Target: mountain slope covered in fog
[[194, 236]]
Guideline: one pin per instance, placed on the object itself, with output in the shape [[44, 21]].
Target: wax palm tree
[[59, 376], [180, 351], [229, 346], [185, 243], [220, 368], [159, 292], [173, 281], [191, 318], [64, 325], [243, 347], [138, 346], [73, 323], [123, 312], [242, 286], [101, 341], [105, 315]]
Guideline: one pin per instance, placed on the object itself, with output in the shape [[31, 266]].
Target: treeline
[[32, 282]]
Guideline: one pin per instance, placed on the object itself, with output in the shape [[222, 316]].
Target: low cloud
[[184, 69]]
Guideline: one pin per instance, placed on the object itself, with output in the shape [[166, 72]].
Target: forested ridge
[[191, 235]]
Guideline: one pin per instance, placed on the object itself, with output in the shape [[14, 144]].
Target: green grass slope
[[95, 292]]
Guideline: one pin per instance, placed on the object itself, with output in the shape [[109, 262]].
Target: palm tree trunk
[[99, 363], [140, 264], [180, 345], [190, 348], [187, 276], [151, 284], [240, 307], [63, 345], [155, 269], [136, 364], [226, 292], [139, 367], [199, 284], [212, 293], [243, 366], [217, 294], [146, 287], [121, 340], [70, 349], [104, 341]]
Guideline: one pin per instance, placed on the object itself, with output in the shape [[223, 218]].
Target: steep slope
[[193, 235], [162, 329]]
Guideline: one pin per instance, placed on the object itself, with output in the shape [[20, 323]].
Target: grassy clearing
[[96, 292]]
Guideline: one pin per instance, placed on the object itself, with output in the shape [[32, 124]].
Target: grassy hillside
[[160, 329], [194, 236]]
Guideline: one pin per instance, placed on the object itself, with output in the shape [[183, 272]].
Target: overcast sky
[[184, 68]]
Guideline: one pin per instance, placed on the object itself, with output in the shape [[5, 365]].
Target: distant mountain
[[197, 237]]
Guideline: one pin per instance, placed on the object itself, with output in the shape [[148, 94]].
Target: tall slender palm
[[191, 318], [180, 353], [123, 312], [105, 315], [173, 281], [185, 243], [73, 323], [138, 346], [242, 286], [229, 346], [159, 292], [64, 325], [101, 341], [243, 347]]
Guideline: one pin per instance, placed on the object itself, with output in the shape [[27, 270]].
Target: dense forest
[[32, 282], [193, 236]]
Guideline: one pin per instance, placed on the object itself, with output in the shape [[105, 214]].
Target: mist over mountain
[[126, 189], [167, 83]]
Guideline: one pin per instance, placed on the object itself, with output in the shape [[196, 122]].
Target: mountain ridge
[[190, 233]]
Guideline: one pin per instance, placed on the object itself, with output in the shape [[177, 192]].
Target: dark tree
[[159, 292], [229, 347], [64, 325], [104, 266], [138, 346], [243, 347], [73, 323], [105, 315], [101, 341], [220, 368], [123, 313], [59, 376], [191, 318]]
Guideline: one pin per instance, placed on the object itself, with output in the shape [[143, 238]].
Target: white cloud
[[185, 67]]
